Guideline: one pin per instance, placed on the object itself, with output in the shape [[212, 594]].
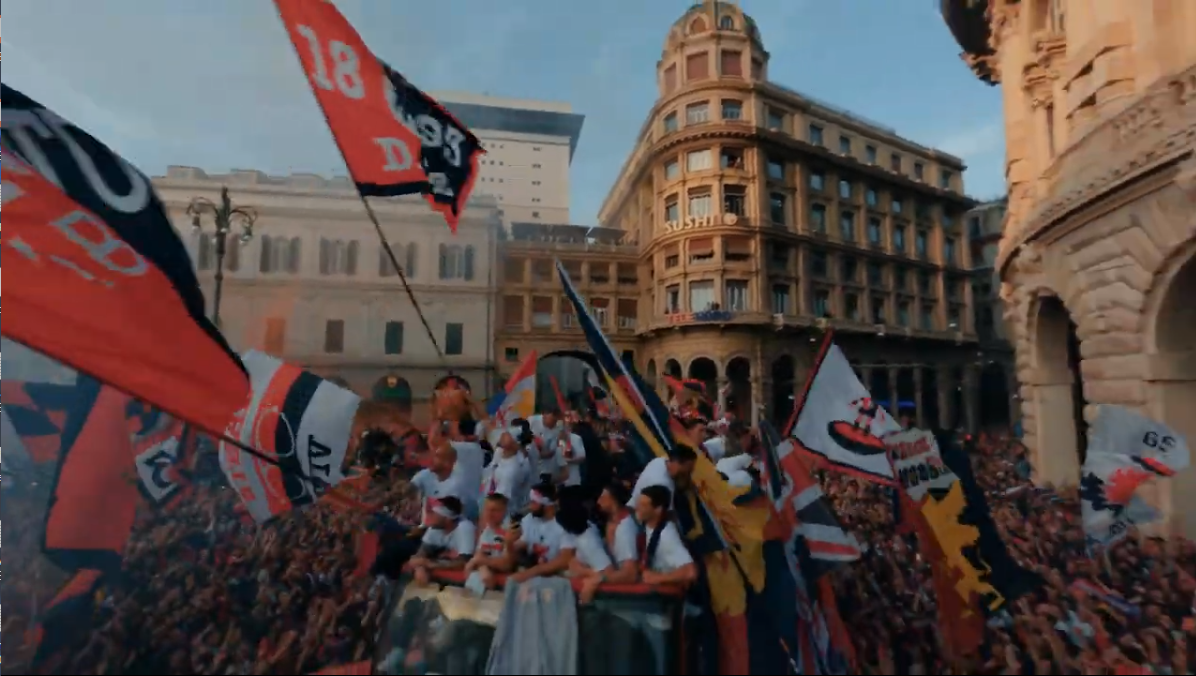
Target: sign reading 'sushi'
[[699, 222]]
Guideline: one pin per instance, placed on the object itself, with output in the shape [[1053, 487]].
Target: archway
[[907, 396], [784, 375], [1174, 374], [705, 371], [672, 369], [930, 399], [994, 397], [1062, 433], [739, 399]]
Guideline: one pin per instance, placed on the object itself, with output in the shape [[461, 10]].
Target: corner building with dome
[[764, 217]]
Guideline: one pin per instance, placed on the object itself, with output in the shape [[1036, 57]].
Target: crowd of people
[[206, 591]]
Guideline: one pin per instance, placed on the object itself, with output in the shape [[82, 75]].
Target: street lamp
[[225, 216]]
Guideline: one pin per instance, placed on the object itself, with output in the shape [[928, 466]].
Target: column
[[866, 377], [759, 386], [721, 395], [946, 392], [971, 398], [894, 395], [1015, 394], [919, 410]]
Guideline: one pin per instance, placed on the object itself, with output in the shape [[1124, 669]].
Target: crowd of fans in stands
[[206, 592]]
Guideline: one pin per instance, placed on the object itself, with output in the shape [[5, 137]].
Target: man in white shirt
[[660, 551], [572, 454], [471, 461], [679, 466], [509, 473], [546, 427], [735, 469], [438, 480], [448, 543], [491, 556], [541, 539]]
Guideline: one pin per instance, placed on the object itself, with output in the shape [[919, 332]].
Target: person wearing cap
[[449, 541], [541, 539]]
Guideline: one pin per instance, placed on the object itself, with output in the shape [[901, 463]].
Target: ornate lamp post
[[225, 216]]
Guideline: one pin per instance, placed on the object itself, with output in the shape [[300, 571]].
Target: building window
[[822, 303], [849, 271], [732, 110], [338, 257], [735, 200], [697, 113], [876, 274], [456, 262], [276, 336], [920, 244], [535, 214], [903, 313], [874, 231], [777, 206], [945, 178], [871, 198], [844, 145], [731, 158], [948, 251], [880, 310], [334, 336], [672, 170], [974, 227], [726, 23], [927, 318], [815, 135], [454, 338], [921, 211], [670, 123], [851, 306], [780, 299], [280, 254], [731, 63], [780, 256], [699, 160], [542, 315], [818, 265], [847, 226], [953, 319], [700, 204], [919, 171], [672, 210], [697, 66], [870, 154], [895, 162], [393, 341], [896, 206], [923, 283], [600, 308], [817, 181], [736, 295], [776, 120], [1049, 113], [900, 279], [672, 300], [776, 170], [845, 189], [818, 217], [899, 239], [511, 354], [701, 296]]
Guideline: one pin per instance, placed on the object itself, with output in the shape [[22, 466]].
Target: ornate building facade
[[1096, 259], [314, 286], [764, 217]]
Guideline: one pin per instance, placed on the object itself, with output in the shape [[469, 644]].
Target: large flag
[[164, 453], [301, 422], [110, 290], [37, 412], [838, 420], [1125, 450], [519, 398], [396, 140]]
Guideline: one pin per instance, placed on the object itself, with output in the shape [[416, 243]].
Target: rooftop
[[518, 116]]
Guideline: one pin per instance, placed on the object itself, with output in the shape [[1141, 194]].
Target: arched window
[[726, 23]]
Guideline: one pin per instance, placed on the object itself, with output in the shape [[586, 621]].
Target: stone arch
[[704, 370], [784, 384], [672, 369], [739, 377], [698, 25], [994, 396], [1061, 430]]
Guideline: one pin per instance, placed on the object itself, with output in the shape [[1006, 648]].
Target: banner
[[918, 463], [396, 140], [114, 294], [297, 418], [1126, 450]]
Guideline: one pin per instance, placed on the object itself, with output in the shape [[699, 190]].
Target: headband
[[439, 509], [538, 498]]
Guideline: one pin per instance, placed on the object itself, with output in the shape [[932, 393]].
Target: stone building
[[1096, 260], [985, 223], [314, 286], [764, 216]]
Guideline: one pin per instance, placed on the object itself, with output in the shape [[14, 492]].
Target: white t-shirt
[[511, 477], [431, 487], [545, 538], [627, 540], [573, 478], [460, 542], [591, 551], [736, 469], [716, 447], [546, 455], [471, 461], [656, 473], [670, 554], [492, 542]]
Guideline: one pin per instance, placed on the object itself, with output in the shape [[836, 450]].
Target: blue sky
[[214, 84]]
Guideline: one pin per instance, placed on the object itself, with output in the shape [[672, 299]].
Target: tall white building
[[529, 147]]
